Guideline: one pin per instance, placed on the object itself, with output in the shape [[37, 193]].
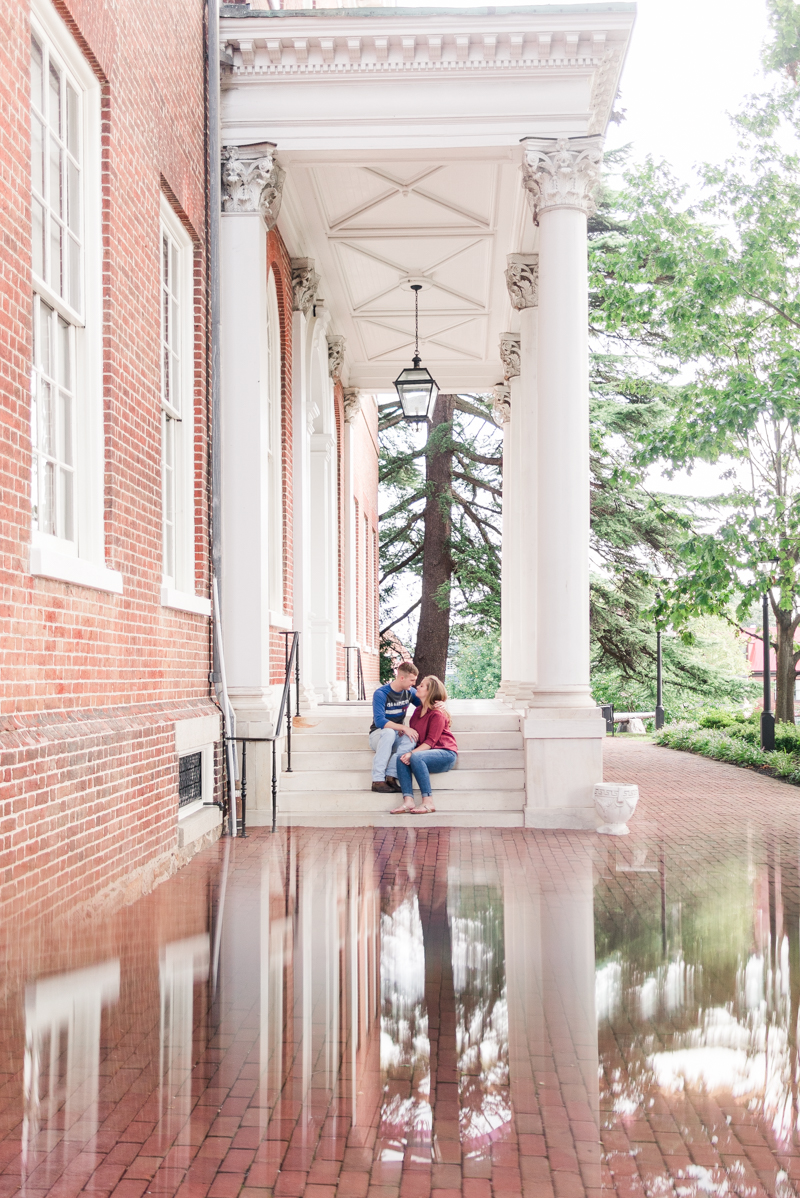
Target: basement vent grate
[[190, 779]]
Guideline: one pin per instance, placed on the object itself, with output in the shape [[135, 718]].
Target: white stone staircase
[[330, 783]]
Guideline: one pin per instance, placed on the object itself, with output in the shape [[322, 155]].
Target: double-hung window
[[176, 301], [66, 366]]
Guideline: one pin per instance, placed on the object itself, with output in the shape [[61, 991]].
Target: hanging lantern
[[415, 385]]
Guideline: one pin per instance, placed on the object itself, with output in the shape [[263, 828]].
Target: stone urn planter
[[615, 803]]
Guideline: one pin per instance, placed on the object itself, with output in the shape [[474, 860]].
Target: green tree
[[440, 532], [702, 302]]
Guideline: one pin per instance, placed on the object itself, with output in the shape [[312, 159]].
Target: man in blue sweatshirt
[[389, 705]]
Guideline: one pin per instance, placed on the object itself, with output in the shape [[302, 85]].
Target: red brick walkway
[[428, 1013]]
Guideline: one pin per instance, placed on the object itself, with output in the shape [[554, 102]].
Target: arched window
[[274, 449]]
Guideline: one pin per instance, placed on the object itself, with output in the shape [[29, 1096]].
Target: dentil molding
[[305, 282], [522, 280], [274, 48], [501, 404], [336, 357], [252, 181], [561, 173], [352, 404], [509, 354]]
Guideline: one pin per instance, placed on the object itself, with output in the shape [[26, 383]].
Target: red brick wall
[[279, 263], [69, 649]]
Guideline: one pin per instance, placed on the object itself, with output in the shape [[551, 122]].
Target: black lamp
[[415, 385]]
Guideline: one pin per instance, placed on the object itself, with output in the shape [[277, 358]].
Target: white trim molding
[[50, 563], [182, 601]]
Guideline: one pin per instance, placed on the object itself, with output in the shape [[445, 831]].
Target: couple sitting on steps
[[404, 752]]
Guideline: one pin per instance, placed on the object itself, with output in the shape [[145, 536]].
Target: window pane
[[45, 327], [66, 505], [47, 437], [65, 429], [37, 237], [64, 364], [176, 377], [72, 122], [48, 506], [55, 99], [55, 177], [37, 74], [73, 197], [55, 275], [166, 383], [37, 155], [74, 273]]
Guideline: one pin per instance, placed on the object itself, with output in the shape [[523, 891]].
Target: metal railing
[[292, 666], [359, 687]]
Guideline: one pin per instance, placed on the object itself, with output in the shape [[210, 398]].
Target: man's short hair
[[407, 667]]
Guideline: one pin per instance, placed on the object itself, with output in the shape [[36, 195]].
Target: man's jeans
[[429, 761], [383, 742]]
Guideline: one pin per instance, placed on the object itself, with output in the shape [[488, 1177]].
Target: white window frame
[[81, 559], [198, 735], [177, 414], [275, 454]]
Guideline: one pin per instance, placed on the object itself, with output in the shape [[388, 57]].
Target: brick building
[[107, 711]]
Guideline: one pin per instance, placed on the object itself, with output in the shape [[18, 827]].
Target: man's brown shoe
[[395, 785], [383, 787]]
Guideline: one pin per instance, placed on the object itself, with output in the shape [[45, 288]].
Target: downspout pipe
[[214, 209]]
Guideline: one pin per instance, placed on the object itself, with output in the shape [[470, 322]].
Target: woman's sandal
[[404, 810], [423, 810]]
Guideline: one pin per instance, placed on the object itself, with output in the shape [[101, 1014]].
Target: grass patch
[[735, 739]]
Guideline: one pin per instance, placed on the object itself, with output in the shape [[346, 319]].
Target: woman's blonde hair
[[437, 693]]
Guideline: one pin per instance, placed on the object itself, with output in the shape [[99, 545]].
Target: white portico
[[459, 148]]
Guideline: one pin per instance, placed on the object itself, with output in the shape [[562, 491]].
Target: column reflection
[[62, 1058]]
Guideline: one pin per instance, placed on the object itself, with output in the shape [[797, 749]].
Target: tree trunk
[[433, 634], [786, 626]]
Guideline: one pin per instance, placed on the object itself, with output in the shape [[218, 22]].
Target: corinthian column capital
[[252, 181], [501, 404], [510, 354], [305, 282], [522, 280], [561, 173], [352, 404], [336, 357]]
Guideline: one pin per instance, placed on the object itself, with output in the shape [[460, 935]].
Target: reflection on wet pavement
[[378, 1013]]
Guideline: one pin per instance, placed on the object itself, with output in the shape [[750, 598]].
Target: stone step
[[367, 819], [332, 802], [318, 721], [353, 781], [468, 759], [304, 741]]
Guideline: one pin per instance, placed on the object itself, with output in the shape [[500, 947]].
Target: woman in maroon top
[[430, 747]]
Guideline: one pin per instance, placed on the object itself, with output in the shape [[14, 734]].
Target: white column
[[563, 731], [252, 183], [518, 352], [352, 408], [245, 483]]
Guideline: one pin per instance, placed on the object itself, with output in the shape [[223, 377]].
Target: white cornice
[[320, 42]]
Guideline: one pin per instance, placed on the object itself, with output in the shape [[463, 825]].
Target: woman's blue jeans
[[429, 761]]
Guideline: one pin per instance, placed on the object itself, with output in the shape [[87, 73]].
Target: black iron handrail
[[361, 690], [292, 662]]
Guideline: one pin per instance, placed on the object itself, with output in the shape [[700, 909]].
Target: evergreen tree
[[440, 533]]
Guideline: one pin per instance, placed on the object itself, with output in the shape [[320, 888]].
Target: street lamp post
[[659, 694], [767, 718]]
